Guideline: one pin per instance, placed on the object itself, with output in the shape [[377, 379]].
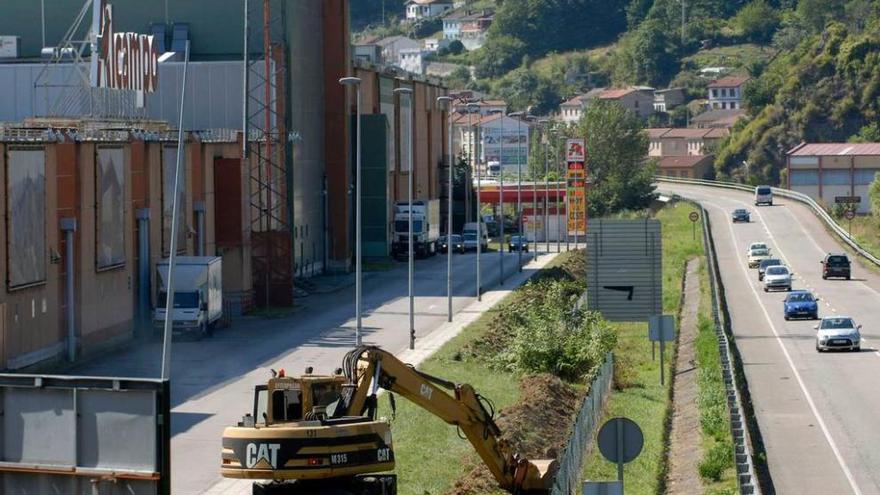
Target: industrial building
[[834, 172], [283, 212]]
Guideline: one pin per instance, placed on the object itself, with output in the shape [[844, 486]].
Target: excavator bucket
[[537, 475]]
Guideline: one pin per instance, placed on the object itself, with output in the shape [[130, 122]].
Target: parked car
[[799, 304], [763, 196], [518, 242], [777, 278], [836, 265], [740, 215], [757, 255], [838, 332], [764, 264], [455, 240]]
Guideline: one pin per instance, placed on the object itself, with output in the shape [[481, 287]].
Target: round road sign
[[694, 216], [849, 214], [620, 440]]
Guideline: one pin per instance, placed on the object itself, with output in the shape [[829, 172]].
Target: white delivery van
[[198, 293], [763, 196]]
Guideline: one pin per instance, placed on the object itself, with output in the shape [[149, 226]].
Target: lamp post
[[501, 210], [473, 144], [355, 82], [534, 205], [412, 323], [518, 116], [448, 101], [546, 203], [555, 133]]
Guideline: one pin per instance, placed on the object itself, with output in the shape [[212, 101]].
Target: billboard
[[26, 223], [576, 186], [110, 222], [507, 145], [624, 269]]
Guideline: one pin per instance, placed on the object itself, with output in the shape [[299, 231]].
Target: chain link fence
[[571, 461]]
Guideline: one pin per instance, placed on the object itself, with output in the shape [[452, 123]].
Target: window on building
[[714, 93], [835, 178], [864, 177], [723, 92], [804, 178]]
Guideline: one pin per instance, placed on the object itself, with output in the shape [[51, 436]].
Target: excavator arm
[[368, 368]]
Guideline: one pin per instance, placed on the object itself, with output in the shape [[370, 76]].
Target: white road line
[[797, 375]]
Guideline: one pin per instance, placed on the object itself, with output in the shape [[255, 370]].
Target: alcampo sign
[[125, 60]]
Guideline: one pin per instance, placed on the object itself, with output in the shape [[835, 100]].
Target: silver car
[[777, 278], [838, 332]]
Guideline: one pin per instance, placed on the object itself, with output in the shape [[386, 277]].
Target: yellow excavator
[[319, 435]]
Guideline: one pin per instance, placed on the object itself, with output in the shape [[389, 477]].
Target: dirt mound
[[537, 427]]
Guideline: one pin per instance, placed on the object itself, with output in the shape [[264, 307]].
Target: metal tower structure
[[265, 152]]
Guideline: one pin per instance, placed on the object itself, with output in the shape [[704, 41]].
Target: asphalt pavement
[[818, 413], [213, 379]]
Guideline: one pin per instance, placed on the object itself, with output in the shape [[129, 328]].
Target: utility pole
[[449, 195], [355, 83], [412, 325], [473, 144], [519, 222]]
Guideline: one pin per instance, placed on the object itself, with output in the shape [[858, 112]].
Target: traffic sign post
[[661, 329], [694, 216], [849, 214], [620, 440]]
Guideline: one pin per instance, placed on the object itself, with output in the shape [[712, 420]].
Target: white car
[[757, 245], [757, 255], [777, 277], [838, 332]]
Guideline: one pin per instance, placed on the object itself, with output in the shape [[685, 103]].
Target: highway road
[[818, 413], [213, 379]]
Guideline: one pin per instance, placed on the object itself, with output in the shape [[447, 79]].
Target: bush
[[716, 461]]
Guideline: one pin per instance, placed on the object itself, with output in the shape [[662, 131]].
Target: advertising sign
[[507, 145], [576, 181], [125, 60]]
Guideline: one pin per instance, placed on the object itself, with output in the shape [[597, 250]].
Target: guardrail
[[786, 193]]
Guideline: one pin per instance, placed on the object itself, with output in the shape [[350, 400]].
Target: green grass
[[732, 56], [429, 453], [865, 230], [641, 397]]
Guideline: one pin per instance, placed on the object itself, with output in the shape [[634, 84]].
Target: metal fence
[[787, 193], [571, 461]]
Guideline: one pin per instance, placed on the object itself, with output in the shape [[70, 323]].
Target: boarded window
[[110, 211], [26, 216], [169, 164], [835, 178], [804, 177], [864, 177]]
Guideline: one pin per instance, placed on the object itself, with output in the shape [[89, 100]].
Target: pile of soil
[[537, 427]]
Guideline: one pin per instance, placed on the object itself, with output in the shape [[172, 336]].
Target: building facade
[[833, 172], [726, 93], [422, 9]]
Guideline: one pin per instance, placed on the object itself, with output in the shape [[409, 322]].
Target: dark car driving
[[740, 215], [762, 267], [455, 240], [836, 265]]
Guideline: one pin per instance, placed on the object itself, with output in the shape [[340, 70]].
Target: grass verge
[[430, 467], [638, 394]]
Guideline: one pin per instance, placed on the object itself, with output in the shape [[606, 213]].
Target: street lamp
[[518, 116], [501, 209], [473, 134], [412, 323], [355, 82], [546, 204], [448, 101], [555, 132]]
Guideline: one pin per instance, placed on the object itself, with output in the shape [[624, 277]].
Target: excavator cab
[[288, 399]]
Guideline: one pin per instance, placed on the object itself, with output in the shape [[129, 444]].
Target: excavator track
[[385, 484]]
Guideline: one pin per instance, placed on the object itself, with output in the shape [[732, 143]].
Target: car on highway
[[518, 242], [836, 265], [777, 278], [757, 255], [800, 304], [838, 332], [757, 245], [762, 266], [740, 215], [763, 196], [455, 240]]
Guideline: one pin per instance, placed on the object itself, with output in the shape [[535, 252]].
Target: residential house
[[423, 9], [474, 29], [370, 53], [570, 111], [683, 142], [637, 99], [452, 24], [413, 60], [721, 119], [392, 45], [826, 171], [667, 99], [436, 44], [726, 93], [690, 167]]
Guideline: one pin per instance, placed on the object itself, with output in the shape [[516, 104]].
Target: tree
[[757, 21], [870, 133], [816, 13], [617, 148], [874, 196], [499, 55]]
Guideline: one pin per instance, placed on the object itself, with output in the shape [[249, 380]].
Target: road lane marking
[[797, 375]]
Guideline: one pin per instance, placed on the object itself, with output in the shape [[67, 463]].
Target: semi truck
[[426, 228], [198, 294]]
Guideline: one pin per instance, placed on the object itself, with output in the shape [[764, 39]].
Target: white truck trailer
[[198, 293], [426, 228]]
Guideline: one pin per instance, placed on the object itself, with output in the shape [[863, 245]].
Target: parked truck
[[198, 294], [426, 228]]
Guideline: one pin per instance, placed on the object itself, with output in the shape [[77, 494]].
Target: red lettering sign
[[126, 60]]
